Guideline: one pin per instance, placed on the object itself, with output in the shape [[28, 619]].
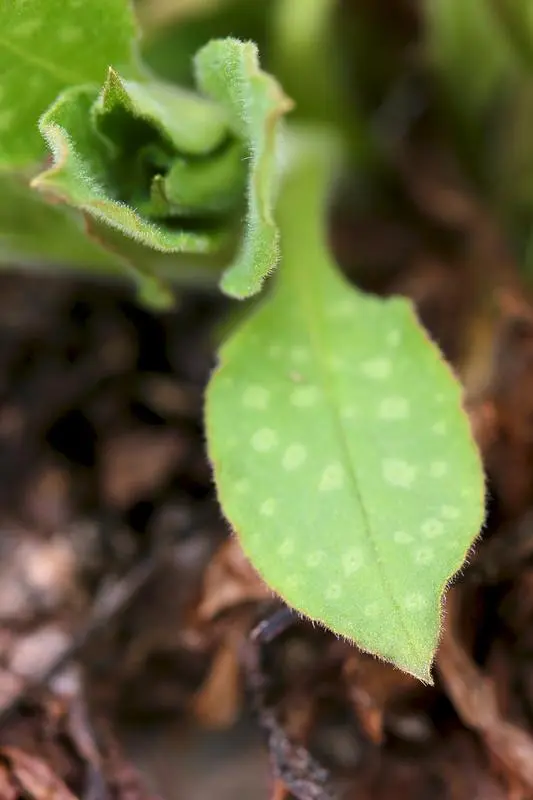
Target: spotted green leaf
[[228, 71], [46, 46], [341, 453]]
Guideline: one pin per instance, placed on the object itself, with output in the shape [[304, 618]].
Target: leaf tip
[[240, 285]]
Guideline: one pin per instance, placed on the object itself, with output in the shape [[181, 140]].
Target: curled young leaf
[[113, 154], [169, 168], [39, 234], [228, 71], [342, 456]]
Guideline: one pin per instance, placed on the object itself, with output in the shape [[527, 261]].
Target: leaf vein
[[64, 76], [306, 290]]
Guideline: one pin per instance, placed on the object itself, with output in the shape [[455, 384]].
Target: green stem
[[313, 157]]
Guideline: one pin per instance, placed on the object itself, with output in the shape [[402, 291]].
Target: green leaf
[[342, 456], [54, 238], [196, 187], [49, 236], [170, 169], [46, 46], [228, 71], [183, 121], [96, 141]]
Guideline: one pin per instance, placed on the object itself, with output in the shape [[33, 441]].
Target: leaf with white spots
[[47, 46], [330, 407]]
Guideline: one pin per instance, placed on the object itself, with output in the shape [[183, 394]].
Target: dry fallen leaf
[[34, 777], [230, 581], [137, 462]]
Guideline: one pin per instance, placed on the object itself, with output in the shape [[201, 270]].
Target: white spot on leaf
[[70, 34], [402, 537], [398, 472], [415, 601], [314, 559], [268, 508], [294, 456], [334, 591], [349, 412], [424, 555], [377, 368], [342, 309], [304, 396], [336, 363], [300, 354], [372, 610], [27, 28], [449, 512], [438, 469], [286, 548], [256, 397], [332, 478], [432, 528], [352, 561], [392, 408], [393, 338], [264, 439]]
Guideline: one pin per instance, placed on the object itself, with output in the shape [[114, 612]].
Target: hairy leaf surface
[[342, 455], [175, 171], [228, 71]]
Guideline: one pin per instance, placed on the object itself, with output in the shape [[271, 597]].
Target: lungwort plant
[[342, 456]]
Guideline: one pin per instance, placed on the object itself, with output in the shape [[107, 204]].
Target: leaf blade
[[46, 46], [322, 475]]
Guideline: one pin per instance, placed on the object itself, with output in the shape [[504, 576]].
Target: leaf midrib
[[305, 292]]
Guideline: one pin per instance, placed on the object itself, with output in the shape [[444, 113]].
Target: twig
[[111, 600], [292, 764]]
